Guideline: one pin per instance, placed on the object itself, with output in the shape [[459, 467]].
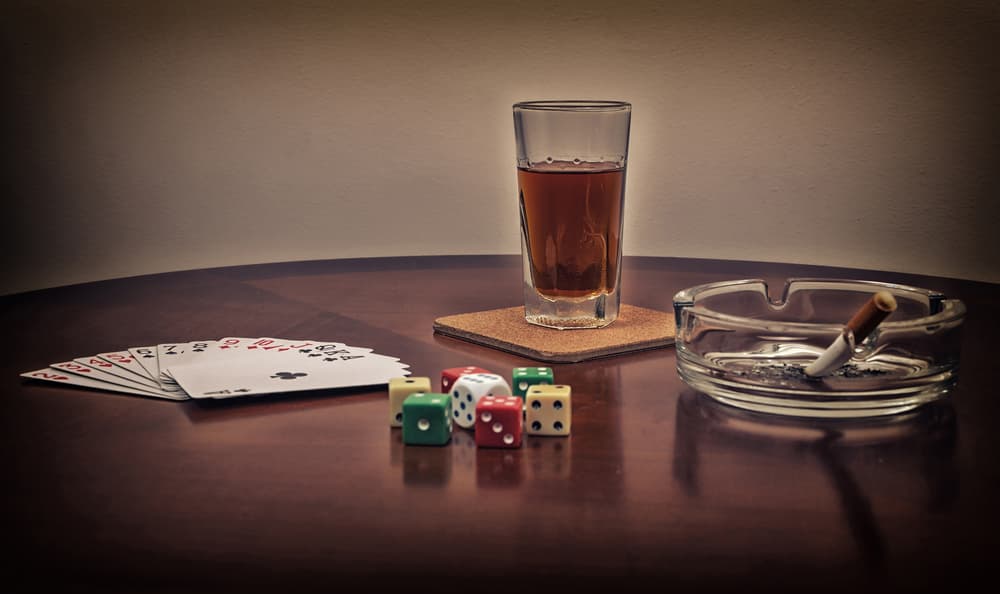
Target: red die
[[448, 376], [498, 422]]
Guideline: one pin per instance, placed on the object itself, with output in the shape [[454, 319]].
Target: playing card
[[213, 351], [331, 350], [49, 374], [146, 357], [266, 344], [100, 375], [279, 374], [169, 355], [100, 364], [126, 361], [228, 349]]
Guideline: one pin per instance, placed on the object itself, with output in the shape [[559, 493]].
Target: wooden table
[[657, 485]]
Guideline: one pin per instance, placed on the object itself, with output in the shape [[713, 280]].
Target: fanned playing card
[[262, 374], [50, 374], [226, 368]]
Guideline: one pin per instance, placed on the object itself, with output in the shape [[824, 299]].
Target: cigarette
[[861, 324], [871, 314]]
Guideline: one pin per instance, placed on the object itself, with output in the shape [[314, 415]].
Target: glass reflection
[[726, 453]]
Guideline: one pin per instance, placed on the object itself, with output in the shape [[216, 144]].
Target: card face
[[330, 351], [273, 375], [146, 358], [320, 356], [103, 376], [169, 355], [267, 344], [49, 374], [100, 364], [125, 360], [229, 349]]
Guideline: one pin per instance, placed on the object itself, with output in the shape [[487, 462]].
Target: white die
[[468, 389]]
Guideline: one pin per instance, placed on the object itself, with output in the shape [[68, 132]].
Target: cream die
[[548, 410], [399, 389]]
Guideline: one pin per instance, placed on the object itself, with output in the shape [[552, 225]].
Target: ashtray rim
[[948, 309]]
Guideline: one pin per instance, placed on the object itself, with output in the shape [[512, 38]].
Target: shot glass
[[571, 158]]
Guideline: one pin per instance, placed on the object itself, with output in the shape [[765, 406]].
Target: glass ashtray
[[740, 347]]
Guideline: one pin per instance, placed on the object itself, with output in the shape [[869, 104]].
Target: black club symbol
[[289, 375]]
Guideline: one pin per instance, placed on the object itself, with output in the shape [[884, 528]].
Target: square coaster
[[636, 329]]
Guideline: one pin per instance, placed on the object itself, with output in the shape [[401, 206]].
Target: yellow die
[[399, 389], [548, 410]]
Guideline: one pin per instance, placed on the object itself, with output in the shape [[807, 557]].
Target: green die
[[525, 377], [427, 419]]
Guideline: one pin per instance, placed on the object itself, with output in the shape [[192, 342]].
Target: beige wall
[[156, 136]]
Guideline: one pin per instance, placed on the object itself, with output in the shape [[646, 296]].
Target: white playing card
[[224, 349], [103, 376], [126, 361], [330, 349], [146, 357], [167, 354], [280, 374], [261, 344], [50, 374], [229, 349], [148, 360], [170, 355], [269, 344], [108, 367]]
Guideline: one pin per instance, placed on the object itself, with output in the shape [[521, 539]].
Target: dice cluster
[[481, 401]]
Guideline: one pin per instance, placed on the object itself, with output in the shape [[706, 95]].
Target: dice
[[498, 422], [399, 389], [468, 389], [548, 410], [523, 378], [426, 419], [448, 376]]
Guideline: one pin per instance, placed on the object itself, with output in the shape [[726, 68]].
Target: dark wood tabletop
[[657, 486]]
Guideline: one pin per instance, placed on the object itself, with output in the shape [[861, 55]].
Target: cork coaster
[[636, 329]]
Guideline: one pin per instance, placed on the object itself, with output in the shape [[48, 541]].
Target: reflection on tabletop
[[864, 461]]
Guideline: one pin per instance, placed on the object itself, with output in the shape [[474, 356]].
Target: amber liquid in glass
[[572, 220]]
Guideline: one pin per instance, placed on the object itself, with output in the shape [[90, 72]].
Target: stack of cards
[[226, 368]]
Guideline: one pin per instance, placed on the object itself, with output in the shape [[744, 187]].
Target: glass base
[[567, 313]]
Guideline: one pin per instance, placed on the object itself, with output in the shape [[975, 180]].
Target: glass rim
[[573, 105]]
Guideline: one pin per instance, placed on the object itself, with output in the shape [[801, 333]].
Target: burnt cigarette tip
[[884, 301]]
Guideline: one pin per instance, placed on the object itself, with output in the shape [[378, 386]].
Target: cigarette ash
[[797, 372]]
